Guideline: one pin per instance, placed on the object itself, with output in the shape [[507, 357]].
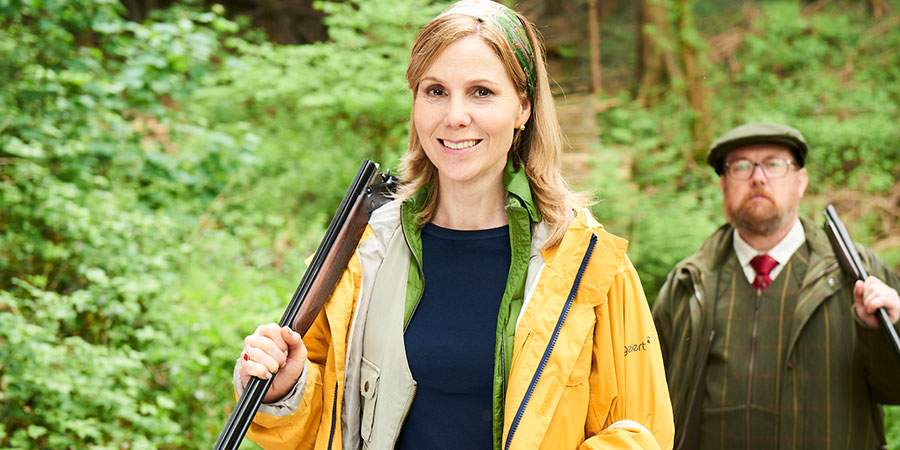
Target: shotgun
[[852, 264], [368, 191]]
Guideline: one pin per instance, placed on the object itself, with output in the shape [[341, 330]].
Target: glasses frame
[[762, 166]]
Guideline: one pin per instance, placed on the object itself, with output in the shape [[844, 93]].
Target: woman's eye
[[482, 92], [434, 91]]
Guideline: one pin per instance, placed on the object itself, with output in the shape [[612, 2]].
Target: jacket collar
[[700, 268], [515, 181], [715, 250], [822, 255], [719, 246]]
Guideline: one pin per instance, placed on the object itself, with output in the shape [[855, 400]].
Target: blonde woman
[[483, 308]]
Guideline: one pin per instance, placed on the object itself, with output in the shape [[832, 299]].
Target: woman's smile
[[460, 145]]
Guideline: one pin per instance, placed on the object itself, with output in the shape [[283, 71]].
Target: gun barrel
[[832, 218], [852, 263], [239, 421]]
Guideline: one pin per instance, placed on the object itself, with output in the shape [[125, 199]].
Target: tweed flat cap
[[756, 133]]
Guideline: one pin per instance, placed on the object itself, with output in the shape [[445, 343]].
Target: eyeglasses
[[742, 169]]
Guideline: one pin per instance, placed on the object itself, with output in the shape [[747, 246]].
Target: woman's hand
[[273, 351]]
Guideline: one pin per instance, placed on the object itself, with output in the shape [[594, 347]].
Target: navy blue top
[[450, 338]]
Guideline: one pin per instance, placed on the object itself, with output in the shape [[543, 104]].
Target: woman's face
[[465, 111]]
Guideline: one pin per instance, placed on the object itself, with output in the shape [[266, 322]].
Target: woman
[[481, 308]]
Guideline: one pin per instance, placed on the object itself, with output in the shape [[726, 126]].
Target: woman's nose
[[457, 113]]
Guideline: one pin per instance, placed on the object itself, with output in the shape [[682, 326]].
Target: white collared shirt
[[781, 252]]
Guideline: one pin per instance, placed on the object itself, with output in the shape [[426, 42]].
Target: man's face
[[761, 205]]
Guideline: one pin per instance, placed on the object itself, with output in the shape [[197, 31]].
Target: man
[[767, 343]]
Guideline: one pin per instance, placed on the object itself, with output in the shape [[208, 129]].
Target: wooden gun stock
[[850, 261], [333, 266], [367, 192]]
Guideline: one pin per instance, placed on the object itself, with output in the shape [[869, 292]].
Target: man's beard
[[759, 220]]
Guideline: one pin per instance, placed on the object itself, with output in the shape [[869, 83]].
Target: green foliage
[[892, 426], [93, 224], [663, 209]]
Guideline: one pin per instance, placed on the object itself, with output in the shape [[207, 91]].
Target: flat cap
[[756, 133]]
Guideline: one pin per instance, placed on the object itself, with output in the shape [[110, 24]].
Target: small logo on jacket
[[637, 347]]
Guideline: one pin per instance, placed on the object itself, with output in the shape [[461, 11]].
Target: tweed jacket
[[835, 370]]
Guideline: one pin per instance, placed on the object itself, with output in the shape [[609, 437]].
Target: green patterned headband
[[487, 11]]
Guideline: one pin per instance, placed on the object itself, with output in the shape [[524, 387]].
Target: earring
[[522, 127]]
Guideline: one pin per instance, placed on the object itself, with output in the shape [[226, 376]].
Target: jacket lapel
[[823, 278]]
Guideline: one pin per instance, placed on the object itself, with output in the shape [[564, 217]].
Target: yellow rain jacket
[[585, 370]]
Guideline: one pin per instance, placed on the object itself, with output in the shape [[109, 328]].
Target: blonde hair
[[538, 148]]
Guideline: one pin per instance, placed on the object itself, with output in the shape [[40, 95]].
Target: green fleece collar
[[515, 181]]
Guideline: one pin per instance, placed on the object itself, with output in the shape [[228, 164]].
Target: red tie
[[762, 264]]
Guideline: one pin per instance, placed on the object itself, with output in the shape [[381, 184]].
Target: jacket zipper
[[551, 344], [333, 417], [753, 339], [752, 358], [405, 413], [503, 367]]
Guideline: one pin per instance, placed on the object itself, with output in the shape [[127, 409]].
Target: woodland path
[[577, 115]]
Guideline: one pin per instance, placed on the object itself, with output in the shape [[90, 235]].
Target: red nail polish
[[246, 357]]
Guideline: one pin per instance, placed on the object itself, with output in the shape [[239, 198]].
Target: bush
[[98, 197]]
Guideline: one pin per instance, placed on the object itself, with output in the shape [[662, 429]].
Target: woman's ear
[[524, 112]]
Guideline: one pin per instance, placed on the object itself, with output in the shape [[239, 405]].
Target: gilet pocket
[[368, 388]]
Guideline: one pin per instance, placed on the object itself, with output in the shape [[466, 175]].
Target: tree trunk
[[656, 59], [878, 8], [605, 8], [688, 40], [139, 10], [594, 32]]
